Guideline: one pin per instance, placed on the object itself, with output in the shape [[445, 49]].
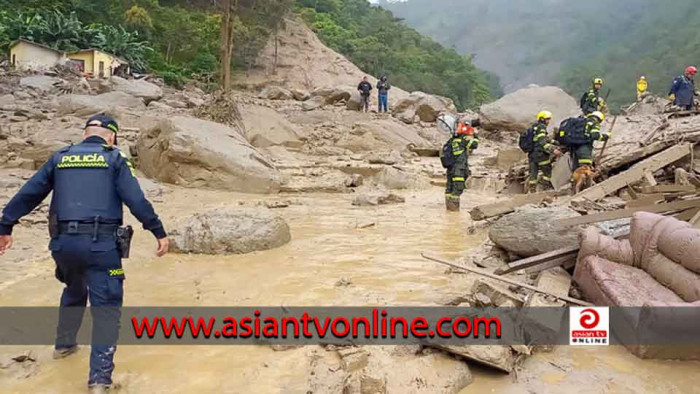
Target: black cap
[[104, 121]]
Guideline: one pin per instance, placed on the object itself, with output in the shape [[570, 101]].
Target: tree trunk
[[227, 14], [277, 30]]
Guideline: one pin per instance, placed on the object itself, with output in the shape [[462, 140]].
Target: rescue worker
[[683, 92], [463, 141], [582, 155], [90, 182], [641, 87], [591, 100], [540, 157]]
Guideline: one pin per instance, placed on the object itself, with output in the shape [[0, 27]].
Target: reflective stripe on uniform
[[538, 136], [544, 163], [533, 181], [585, 161], [458, 152], [546, 178], [458, 179], [83, 164]]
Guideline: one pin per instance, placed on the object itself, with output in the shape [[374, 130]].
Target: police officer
[[591, 100], [582, 155], [90, 182], [463, 141], [539, 159]]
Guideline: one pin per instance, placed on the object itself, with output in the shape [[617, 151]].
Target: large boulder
[[85, 105], [355, 102], [265, 127], [426, 106], [333, 95], [41, 83], [138, 88], [532, 231], [518, 110], [313, 103], [380, 134], [230, 231], [199, 153]]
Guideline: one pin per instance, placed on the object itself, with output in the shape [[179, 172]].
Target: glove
[[672, 97]]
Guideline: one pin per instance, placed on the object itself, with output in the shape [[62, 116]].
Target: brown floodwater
[[382, 264]]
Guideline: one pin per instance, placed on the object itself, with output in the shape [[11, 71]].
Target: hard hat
[[465, 128], [643, 78], [598, 115], [598, 81], [446, 123], [691, 70], [544, 115]]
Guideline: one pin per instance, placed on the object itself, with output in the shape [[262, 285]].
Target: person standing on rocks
[[591, 100], [383, 89], [365, 89], [90, 182], [682, 92], [540, 157], [455, 153]]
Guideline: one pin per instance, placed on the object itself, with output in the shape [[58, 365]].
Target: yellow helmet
[[598, 115], [544, 115], [598, 81]]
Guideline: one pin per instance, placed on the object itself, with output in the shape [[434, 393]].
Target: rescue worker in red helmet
[[682, 92], [463, 141]]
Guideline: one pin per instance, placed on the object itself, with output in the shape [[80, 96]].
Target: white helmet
[[447, 123]]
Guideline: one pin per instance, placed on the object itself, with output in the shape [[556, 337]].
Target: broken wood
[[647, 199], [605, 144], [649, 177], [555, 281], [687, 215], [626, 213], [506, 280], [632, 193], [635, 173], [652, 135], [535, 260], [568, 262], [482, 212], [695, 220], [668, 189]]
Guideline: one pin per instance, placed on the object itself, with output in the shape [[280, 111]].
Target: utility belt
[[123, 235]]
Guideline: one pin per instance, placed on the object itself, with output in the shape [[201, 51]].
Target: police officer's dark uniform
[[90, 181], [464, 141]]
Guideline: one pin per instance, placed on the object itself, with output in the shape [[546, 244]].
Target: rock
[[159, 105], [41, 83], [137, 88], [173, 103], [355, 102], [276, 93], [343, 282], [495, 294], [30, 113], [84, 105], [7, 99], [390, 158], [499, 357], [18, 119], [518, 110], [230, 231], [300, 94], [392, 178], [377, 198], [199, 153], [20, 95], [426, 106], [355, 180], [532, 231], [313, 103], [506, 158], [194, 101], [265, 127], [332, 95]]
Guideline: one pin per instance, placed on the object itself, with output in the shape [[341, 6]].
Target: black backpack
[[572, 131], [447, 156], [526, 141]]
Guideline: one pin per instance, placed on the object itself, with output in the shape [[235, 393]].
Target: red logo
[[589, 318]]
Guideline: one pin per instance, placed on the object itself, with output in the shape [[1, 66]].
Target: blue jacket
[[684, 89], [88, 180]]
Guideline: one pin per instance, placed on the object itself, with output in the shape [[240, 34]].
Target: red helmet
[[464, 128], [691, 70]]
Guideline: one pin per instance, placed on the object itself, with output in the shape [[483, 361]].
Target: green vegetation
[[566, 43], [380, 44]]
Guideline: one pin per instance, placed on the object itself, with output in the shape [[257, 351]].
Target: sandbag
[[681, 281]]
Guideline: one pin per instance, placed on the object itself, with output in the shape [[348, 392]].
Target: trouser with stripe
[[539, 160], [456, 181]]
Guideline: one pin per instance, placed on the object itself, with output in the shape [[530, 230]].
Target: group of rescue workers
[[574, 135]]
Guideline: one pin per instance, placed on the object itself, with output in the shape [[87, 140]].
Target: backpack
[[447, 157], [526, 141], [572, 132]]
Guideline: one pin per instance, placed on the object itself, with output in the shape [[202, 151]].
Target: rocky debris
[[158, 105], [531, 231], [392, 178], [85, 105], [266, 127], [488, 294], [518, 110], [199, 153], [425, 106], [650, 105], [137, 88], [7, 100], [354, 180], [300, 94], [343, 282], [354, 102], [40, 83], [385, 369], [388, 158], [20, 366], [333, 95], [229, 231], [487, 255], [313, 103], [276, 93], [377, 197], [506, 158]]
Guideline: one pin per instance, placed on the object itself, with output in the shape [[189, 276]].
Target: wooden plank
[[482, 212], [566, 262], [506, 280], [535, 260], [695, 220], [650, 178], [668, 189], [687, 215], [635, 173], [626, 213], [647, 199], [632, 193], [554, 281]]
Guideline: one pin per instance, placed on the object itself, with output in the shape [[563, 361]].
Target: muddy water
[[383, 265]]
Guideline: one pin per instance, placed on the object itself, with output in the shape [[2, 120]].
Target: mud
[[381, 263]]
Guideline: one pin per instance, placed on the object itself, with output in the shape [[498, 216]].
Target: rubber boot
[[452, 204]]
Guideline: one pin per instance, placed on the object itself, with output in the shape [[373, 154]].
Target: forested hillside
[[566, 43], [181, 39]]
